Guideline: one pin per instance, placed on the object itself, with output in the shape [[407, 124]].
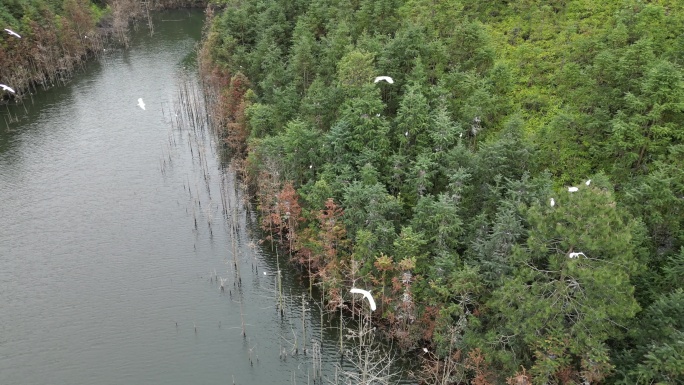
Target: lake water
[[114, 226]]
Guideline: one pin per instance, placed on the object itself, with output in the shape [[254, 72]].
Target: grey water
[[113, 234]]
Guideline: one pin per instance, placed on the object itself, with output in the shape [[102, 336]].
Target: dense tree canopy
[[447, 190]]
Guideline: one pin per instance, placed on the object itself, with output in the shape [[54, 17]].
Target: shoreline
[[47, 54]]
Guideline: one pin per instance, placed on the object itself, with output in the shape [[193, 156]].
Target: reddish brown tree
[[333, 231], [291, 211], [233, 106]]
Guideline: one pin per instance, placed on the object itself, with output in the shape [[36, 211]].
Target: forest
[[511, 189], [513, 193]]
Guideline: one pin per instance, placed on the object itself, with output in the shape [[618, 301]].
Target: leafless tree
[[369, 362]]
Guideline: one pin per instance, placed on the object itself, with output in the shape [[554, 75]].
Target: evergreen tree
[[570, 290]]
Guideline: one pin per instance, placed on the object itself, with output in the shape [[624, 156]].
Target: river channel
[[117, 229]]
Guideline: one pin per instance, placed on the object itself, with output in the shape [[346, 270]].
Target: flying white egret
[[573, 189], [141, 104], [6, 88], [552, 202], [576, 255], [588, 182], [12, 33], [366, 294], [385, 78]]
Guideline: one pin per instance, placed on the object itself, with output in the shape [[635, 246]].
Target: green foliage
[[493, 247], [664, 363], [439, 218], [99, 12], [302, 63], [496, 107], [262, 119], [411, 134], [567, 305], [655, 355], [370, 207], [355, 70]]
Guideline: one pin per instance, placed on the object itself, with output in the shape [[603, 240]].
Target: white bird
[[425, 350], [573, 189], [141, 104], [576, 255], [588, 182], [552, 202], [6, 88], [12, 33], [366, 294], [385, 78]]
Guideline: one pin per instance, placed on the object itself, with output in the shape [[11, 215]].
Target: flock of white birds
[[552, 203], [387, 79]]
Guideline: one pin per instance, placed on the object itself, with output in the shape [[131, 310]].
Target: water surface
[[113, 226]]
